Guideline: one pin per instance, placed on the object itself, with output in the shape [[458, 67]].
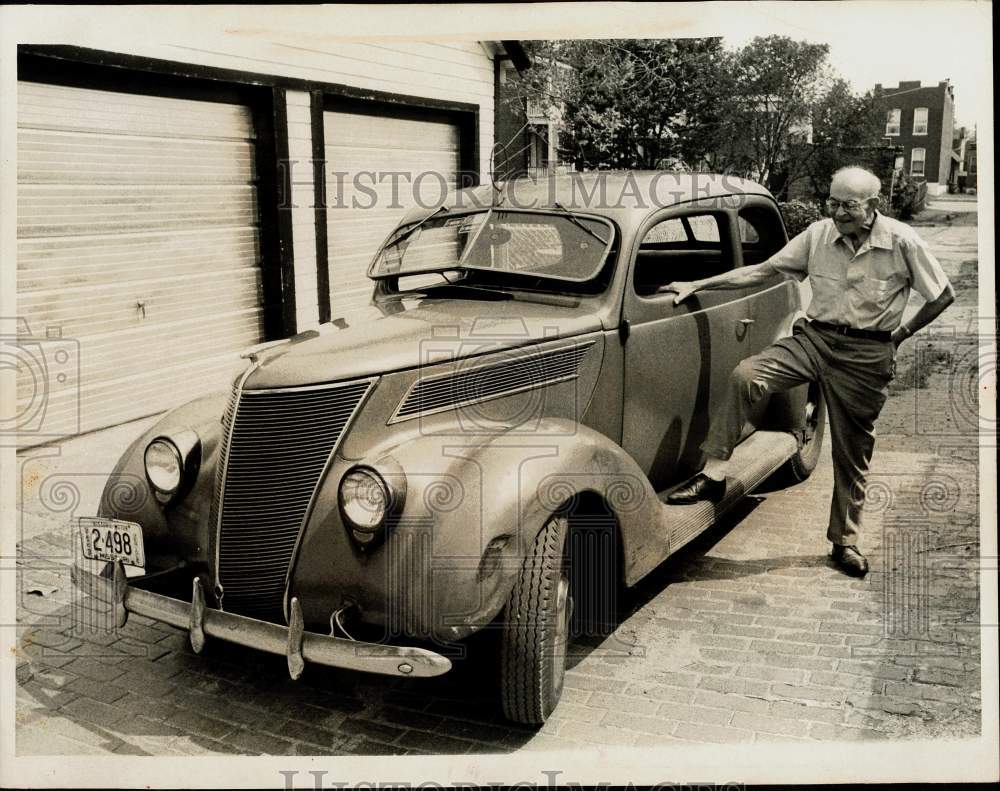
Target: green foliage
[[908, 197], [847, 130], [798, 216], [630, 103], [770, 88]]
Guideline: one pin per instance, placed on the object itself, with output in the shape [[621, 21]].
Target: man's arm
[[737, 278], [924, 316], [927, 279], [791, 259]]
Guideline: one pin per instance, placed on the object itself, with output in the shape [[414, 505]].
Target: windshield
[[560, 247]]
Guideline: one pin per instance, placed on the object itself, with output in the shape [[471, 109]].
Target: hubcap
[[811, 415], [564, 612]]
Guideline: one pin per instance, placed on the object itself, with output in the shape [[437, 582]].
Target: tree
[[847, 130], [772, 111], [630, 103], [772, 85]]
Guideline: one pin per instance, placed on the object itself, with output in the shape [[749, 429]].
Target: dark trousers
[[853, 374]]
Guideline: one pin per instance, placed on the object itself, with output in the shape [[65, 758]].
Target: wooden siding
[[300, 155]]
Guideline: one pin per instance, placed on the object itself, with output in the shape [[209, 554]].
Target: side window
[[761, 234], [681, 248]]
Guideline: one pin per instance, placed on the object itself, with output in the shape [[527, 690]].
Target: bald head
[[853, 200], [855, 182]]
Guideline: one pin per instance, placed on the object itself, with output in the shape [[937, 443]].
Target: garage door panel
[[42, 106], [66, 158], [97, 309], [146, 350], [51, 262], [359, 216], [127, 199], [353, 300], [384, 131], [102, 405], [58, 211]]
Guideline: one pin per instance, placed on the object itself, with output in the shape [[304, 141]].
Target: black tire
[[536, 630], [800, 466]]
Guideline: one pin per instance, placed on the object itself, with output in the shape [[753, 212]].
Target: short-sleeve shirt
[[868, 288]]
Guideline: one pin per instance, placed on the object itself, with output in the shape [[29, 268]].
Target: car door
[[678, 357]]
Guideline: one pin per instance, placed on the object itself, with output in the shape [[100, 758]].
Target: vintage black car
[[489, 444]]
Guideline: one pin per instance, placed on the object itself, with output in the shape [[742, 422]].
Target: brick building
[[921, 119]]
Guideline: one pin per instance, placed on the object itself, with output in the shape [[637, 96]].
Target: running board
[[753, 460]]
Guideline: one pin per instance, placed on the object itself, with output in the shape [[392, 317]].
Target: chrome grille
[[473, 384], [278, 447], [227, 425]]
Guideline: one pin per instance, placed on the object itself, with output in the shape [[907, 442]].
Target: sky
[[887, 42]]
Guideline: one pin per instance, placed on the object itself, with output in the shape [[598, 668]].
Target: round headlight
[[163, 466], [364, 498]]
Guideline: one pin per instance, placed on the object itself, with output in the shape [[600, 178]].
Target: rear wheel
[[536, 631], [800, 466]]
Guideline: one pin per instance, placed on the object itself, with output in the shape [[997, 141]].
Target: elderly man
[[861, 266]]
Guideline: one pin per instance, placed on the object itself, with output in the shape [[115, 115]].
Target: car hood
[[411, 333]]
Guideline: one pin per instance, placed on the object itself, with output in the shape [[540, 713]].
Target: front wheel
[[536, 629], [810, 436]]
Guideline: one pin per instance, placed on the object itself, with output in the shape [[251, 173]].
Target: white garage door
[[138, 242], [361, 209]]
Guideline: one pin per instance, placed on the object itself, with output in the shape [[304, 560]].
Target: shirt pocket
[[880, 290]]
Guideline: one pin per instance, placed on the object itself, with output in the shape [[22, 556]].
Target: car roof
[[626, 197]]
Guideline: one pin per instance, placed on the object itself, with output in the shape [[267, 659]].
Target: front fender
[[178, 533], [474, 505]]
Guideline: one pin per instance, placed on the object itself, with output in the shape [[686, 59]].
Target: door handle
[[747, 322]]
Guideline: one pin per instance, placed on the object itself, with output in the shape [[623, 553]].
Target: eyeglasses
[[851, 205]]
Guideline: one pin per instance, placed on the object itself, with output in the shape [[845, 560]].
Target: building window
[[917, 161], [892, 122], [920, 121]]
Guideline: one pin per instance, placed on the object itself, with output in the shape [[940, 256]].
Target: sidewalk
[[957, 203]]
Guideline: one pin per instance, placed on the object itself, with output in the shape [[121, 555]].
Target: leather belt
[[841, 329]]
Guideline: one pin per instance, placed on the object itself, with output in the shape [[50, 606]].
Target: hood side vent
[[517, 371]]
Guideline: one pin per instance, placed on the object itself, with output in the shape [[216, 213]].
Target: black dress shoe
[[850, 561], [700, 487]]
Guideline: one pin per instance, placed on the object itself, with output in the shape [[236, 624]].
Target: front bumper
[[298, 645]]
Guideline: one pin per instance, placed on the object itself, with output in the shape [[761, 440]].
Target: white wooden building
[[180, 201]]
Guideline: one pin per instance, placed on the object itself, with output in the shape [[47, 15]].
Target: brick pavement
[[747, 635]]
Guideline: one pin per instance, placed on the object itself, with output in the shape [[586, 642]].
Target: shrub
[[908, 198], [799, 215]]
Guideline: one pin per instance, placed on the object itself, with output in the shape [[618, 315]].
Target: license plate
[[113, 540]]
